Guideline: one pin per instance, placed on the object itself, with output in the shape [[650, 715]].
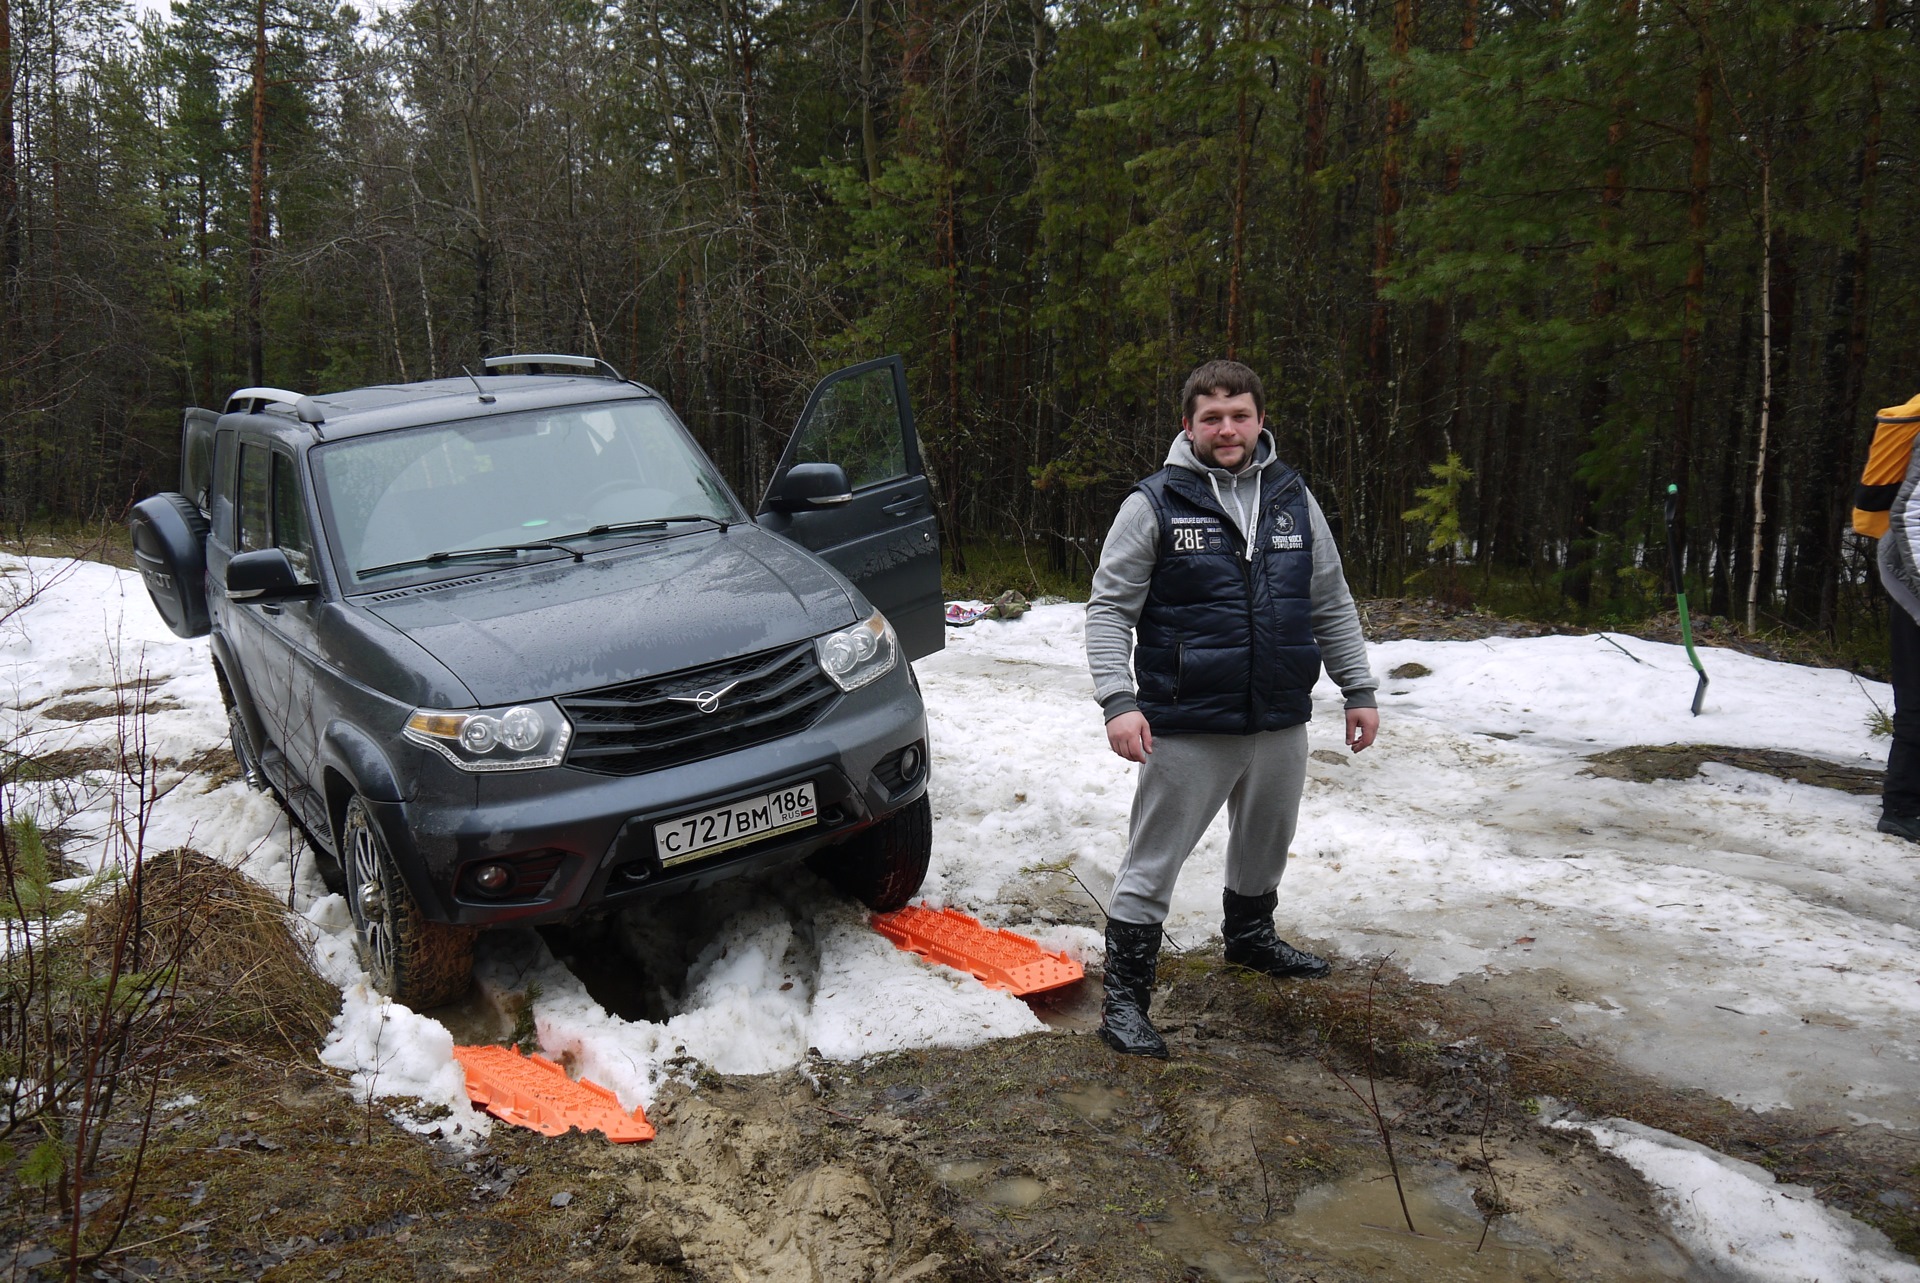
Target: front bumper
[[595, 831]]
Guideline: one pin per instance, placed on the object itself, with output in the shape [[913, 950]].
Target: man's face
[[1223, 429]]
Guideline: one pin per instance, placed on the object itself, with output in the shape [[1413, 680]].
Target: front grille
[[640, 726]]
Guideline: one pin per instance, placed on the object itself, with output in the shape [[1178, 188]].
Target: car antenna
[[486, 397]]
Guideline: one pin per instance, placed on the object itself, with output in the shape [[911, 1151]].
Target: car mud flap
[[1002, 959], [533, 1092]]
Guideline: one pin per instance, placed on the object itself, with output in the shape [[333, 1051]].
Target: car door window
[[856, 424], [290, 530], [255, 532], [196, 465], [224, 485]]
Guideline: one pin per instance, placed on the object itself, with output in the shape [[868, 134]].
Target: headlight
[[519, 738], [855, 656]]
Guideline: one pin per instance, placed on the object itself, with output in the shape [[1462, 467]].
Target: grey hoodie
[[1133, 546]]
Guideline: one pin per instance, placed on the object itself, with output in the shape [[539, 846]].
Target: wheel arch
[[351, 764]]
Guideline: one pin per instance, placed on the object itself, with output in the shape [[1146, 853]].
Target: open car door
[[851, 487]]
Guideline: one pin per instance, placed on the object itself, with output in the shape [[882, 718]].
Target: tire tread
[[433, 962]]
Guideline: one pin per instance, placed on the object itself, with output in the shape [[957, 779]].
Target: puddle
[[1095, 1104], [1016, 1191], [959, 1173], [1199, 1246], [475, 1019], [1074, 1009], [1012, 1191], [1358, 1221]]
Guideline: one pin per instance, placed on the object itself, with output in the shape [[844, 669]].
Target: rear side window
[[254, 529]]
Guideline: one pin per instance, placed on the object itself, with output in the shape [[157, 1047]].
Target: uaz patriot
[[511, 652]]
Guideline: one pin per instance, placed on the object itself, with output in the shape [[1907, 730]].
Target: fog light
[[910, 764], [493, 878]]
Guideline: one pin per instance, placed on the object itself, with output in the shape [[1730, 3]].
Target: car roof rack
[[253, 400], [590, 364]]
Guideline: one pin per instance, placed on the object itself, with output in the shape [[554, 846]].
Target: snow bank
[[1737, 1219]]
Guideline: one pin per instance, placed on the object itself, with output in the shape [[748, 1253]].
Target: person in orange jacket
[[1886, 507]]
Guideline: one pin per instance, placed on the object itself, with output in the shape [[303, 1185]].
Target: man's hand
[[1362, 725], [1130, 736]]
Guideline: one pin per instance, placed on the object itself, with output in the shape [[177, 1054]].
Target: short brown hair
[[1221, 378]]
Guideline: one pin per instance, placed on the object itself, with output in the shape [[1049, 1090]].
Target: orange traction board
[[532, 1091], [999, 959]]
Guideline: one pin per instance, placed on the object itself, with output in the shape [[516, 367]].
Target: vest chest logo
[[1197, 535], [1283, 538]]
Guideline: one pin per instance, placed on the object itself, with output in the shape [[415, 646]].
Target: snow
[[1736, 933], [1737, 1219]]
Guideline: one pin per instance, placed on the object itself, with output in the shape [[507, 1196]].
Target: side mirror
[[265, 574], [811, 485]]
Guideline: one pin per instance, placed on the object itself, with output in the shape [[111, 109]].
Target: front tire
[[884, 866], [411, 960]]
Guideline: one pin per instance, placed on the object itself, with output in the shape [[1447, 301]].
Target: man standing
[[1885, 508], [1223, 567]]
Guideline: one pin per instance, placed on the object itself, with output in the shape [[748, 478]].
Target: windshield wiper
[[647, 523], [496, 550]]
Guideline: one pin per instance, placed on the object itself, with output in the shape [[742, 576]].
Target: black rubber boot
[[1133, 955], [1251, 942]]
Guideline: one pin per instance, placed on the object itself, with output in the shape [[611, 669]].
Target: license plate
[[735, 824]]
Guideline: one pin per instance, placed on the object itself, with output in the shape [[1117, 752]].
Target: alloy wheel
[[368, 897]]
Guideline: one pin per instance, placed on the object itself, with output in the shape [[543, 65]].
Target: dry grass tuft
[[243, 976], [83, 710], [60, 764]]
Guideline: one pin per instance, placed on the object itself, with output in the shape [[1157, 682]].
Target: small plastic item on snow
[[1001, 959], [533, 1092], [960, 613], [1008, 605]]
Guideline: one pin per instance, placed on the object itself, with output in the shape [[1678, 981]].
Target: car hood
[[526, 633]]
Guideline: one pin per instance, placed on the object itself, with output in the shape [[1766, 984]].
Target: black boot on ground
[[1251, 942], [1133, 955], [1901, 826]]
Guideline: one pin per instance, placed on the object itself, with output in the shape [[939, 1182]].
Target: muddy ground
[[1253, 1154]]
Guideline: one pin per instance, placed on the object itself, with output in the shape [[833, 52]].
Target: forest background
[[1509, 268]]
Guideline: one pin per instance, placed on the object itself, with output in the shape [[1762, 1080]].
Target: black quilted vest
[[1225, 645]]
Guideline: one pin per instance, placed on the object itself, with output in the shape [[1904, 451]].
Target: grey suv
[[511, 652]]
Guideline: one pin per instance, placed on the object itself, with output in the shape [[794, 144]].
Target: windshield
[[395, 499]]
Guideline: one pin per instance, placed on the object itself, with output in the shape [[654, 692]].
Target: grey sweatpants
[[1181, 787]]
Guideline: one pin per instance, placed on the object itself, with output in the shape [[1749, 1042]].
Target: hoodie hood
[[1180, 455], [562, 627], [1237, 493]]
